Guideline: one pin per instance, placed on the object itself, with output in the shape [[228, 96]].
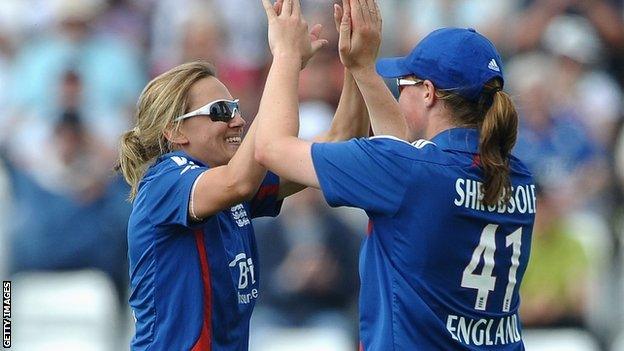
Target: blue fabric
[[423, 200], [456, 59], [167, 296], [557, 150], [69, 233]]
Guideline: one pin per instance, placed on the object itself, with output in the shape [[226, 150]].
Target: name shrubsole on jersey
[[470, 195]]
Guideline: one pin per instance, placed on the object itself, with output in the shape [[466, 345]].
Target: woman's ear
[[429, 94], [175, 136]]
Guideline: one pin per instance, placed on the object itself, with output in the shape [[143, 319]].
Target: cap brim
[[392, 67]]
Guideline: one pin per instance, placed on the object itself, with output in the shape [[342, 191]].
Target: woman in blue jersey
[[195, 186], [451, 215]]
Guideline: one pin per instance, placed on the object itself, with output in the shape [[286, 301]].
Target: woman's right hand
[[288, 31], [359, 25]]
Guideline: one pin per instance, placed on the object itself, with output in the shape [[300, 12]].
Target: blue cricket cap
[[456, 59]]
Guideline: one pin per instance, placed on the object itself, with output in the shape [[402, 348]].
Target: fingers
[[287, 8], [296, 7], [318, 45], [356, 13], [315, 32], [268, 8], [337, 16], [379, 19], [344, 38], [363, 8], [372, 10], [278, 6]]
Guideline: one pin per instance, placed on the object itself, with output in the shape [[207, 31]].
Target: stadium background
[[71, 72]]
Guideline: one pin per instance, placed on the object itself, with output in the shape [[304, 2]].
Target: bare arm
[[350, 121], [277, 145], [360, 38], [224, 186]]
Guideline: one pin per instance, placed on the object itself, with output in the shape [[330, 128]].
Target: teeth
[[234, 140]]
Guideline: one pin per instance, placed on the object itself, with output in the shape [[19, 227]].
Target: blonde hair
[[495, 115], [163, 99]]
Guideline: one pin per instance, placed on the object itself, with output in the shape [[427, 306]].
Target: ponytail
[[498, 133], [132, 160], [496, 118]]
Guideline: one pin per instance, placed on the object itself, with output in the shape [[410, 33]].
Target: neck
[[437, 123]]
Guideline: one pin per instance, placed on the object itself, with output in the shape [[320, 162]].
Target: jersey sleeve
[[170, 193], [265, 202], [362, 173]]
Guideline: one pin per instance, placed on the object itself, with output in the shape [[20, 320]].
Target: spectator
[[554, 286]]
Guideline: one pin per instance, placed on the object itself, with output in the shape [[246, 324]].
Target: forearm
[[279, 109], [245, 172], [351, 119], [385, 114]]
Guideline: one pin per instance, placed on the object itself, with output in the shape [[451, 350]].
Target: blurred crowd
[[71, 72]]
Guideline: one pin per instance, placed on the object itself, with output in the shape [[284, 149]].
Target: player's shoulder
[[420, 150], [171, 164], [520, 170], [169, 169]]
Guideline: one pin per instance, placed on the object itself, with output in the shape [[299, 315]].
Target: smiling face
[[214, 143]]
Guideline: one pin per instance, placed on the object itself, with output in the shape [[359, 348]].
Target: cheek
[[414, 114]]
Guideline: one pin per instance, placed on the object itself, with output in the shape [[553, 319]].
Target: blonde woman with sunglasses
[[195, 187]]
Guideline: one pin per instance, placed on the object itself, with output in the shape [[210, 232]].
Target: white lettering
[[521, 197], [533, 198], [464, 330], [449, 325], [480, 332], [470, 194], [488, 340], [459, 183], [500, 333], [512, 202], [478, 341]]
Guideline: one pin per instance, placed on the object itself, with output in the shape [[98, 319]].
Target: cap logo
[[493, 66]]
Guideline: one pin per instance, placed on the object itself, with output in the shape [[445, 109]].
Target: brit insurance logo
[[246, 277], [240, 215]]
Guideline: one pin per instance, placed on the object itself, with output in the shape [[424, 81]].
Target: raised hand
[[288, 31], [359, 25]]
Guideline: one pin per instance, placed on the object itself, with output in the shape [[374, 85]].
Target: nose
[[237, 121]]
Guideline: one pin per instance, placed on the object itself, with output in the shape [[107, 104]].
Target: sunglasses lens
[[223, 111]]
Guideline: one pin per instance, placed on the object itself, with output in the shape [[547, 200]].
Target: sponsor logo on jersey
[[246, 277]]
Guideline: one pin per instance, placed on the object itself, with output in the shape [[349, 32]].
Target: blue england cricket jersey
[[194, 285], [439, 270]]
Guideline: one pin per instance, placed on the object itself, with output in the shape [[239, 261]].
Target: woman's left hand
[[288, 31]]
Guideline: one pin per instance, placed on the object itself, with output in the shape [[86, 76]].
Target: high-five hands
[[288, 31], [359, 24]]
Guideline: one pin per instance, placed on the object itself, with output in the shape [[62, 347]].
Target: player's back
[[443, 272]]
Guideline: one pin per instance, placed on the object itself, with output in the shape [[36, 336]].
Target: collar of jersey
[[458, 139], [181, 153]]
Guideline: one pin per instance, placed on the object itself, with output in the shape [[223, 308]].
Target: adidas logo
[[493, 66]]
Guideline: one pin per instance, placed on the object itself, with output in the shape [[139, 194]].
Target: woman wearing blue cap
[[451, 215]]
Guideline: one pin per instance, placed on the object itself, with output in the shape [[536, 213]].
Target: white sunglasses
[[221, 110]]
